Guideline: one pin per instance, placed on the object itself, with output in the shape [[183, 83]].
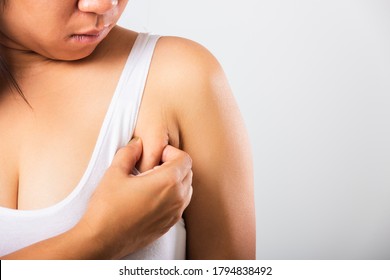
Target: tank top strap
[[121, 117], [132, 84]]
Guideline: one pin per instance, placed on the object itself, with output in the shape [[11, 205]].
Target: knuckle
[[187, 160], [189, 192], [177, 195], [174, 176]]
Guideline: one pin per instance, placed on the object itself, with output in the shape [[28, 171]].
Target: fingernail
[[136, 139]]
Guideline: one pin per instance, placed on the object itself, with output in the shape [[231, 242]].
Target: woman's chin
[[71, 55]]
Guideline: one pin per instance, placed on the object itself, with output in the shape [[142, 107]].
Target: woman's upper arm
[[220, 219]]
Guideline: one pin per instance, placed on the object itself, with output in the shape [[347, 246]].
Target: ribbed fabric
[[20, 228]]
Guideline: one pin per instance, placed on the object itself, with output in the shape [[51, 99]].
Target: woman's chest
[[45, 152]]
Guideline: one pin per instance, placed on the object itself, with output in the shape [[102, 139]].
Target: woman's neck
[[22, 62]]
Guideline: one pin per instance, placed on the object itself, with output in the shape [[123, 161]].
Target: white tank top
[[20, 228]]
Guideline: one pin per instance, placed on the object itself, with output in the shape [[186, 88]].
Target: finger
[[172, 172], [179, 158], [176, 163], [166, 175], [189, 196], [187, 181], [187, 184], [127, 157]]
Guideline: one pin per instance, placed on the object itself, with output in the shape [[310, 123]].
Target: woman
[[95, 75]]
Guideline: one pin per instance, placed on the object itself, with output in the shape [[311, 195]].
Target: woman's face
[[58, 29]]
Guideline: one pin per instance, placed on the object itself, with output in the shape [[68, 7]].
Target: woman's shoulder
[[183, 74], [185, 58], [179, 61], [185, 71]]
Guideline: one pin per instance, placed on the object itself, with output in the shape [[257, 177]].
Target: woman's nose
[[99, 7]]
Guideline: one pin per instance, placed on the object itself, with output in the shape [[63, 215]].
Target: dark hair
[[6, 76], [8, 79]]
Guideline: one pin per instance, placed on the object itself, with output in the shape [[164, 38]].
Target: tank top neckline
[[131, 59]]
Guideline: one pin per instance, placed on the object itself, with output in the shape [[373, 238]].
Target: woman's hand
[[128, 212]]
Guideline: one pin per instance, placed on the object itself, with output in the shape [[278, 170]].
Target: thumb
[[126, 158]]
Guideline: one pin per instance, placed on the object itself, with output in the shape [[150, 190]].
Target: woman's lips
[[91, 36], [85, 38]]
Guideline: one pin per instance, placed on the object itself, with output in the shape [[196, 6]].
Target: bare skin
[[187, 103]]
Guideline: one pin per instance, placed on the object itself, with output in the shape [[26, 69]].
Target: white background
[[312, 79]]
